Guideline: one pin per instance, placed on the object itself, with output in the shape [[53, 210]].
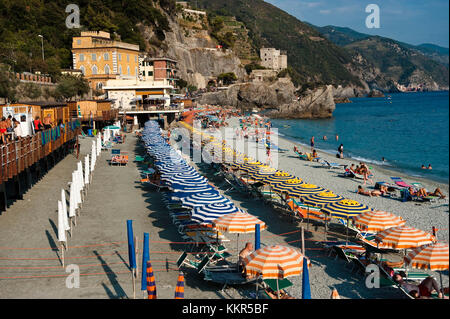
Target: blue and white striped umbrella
[[208, 213], [192, 189], [179, 195], [186, 179], [202, 199]]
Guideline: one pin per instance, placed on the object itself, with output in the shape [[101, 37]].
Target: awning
[[157, 97], [149, 92]]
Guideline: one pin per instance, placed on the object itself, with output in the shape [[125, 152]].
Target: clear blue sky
[[413, 21]]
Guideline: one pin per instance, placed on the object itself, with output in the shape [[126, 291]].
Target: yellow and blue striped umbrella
[[262, 173], [345, 208], [321, 199], [278, 177], [287, 185], [305, 190], [250, 166]]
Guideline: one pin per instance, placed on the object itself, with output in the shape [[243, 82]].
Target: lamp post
[[42, 43]]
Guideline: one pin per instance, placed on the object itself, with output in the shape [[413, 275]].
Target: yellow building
[[100, 58]]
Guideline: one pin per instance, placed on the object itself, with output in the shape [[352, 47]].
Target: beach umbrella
[[375, 221], [208, 213], [306, 288], [404, 237], [145, 258], [345, 209], [239, 223], [86, 169], [64, 208], [305, 190], [432, 257], [179, 289], [76, 189], [274, 262], [194, 188], [151, 286], [201, 199], [321, 199], [61, 224], [286, 185], [278, 177], [72, 202]]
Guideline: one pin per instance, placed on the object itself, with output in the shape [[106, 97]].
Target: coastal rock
[[342, 100], [254, 94], [318, 103], [375, 93]]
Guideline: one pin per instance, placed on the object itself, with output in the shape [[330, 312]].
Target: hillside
[[21, 21], [344, 36], [312, 57], [401, 64]]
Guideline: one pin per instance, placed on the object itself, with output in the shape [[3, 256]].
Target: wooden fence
[[16, 156]]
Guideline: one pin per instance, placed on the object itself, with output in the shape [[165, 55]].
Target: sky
[[410, 21]]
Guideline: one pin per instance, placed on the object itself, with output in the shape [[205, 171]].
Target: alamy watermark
[[373, 19], [73, 19], [73, 280]]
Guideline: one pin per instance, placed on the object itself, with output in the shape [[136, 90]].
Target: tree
[[192, 88], [182, 83], [31, 90], [227, 78], [8, 85], [70, 86], [253, 66]]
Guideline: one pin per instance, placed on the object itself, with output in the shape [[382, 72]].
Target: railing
[[109, 115], [18, 155]]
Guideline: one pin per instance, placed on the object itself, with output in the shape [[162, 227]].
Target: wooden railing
[[18, 155], [109, 115]]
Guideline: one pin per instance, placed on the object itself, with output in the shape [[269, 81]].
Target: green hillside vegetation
[[398, 62], [312, 58], [21, 21]]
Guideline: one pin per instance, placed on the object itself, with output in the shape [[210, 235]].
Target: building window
[[150, 73], [128, 70], [107, 70], [120, 69], [94, 57], [99, 85], [82, 70], [106, 56], [128, 58], [81, 57], [79, 42], [94, 69], [120, 57]]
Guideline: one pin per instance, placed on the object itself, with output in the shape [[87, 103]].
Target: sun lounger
[[389, 282], [227, 277], [327, 164], [269, 290], [302, 156]]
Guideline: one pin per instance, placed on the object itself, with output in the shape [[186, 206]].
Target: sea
[[407, 129]]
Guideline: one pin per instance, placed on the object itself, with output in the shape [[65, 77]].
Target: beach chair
[[269, 288], [117, 157], [387, 281], [227, 276], [327, 164], [302, 156]]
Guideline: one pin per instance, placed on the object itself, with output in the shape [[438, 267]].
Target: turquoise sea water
[[408, 130]]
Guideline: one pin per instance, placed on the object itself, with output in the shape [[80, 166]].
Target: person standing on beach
[[341, 150], [312, 143]]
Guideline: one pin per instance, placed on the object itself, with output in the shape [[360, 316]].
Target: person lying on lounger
[[375, 192], [421, 291], [422, 192]]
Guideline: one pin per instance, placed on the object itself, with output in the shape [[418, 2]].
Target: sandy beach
[[31, 268]]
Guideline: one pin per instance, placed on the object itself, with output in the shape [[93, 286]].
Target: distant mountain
[[343, 36]]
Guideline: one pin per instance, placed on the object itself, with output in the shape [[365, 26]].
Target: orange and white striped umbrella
[[433, 257], [274, 262], [404, 237], [375, 221], [238, 223]]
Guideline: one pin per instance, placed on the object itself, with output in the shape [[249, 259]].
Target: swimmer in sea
[[429, 166]]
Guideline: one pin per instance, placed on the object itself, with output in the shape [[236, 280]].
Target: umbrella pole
[[442, 287], [307, 214], [62, 254], [237, 247], [303, 241], [278, 290], [137, 255], [346, 234], [133, 279]]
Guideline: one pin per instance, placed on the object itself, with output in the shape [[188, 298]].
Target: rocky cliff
[[198, 58], [278, 96]]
